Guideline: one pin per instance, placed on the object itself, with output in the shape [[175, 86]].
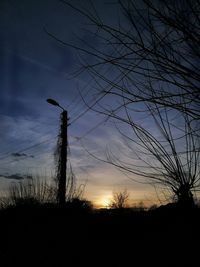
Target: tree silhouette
[[150, 53], [119, 200], [167, 154]]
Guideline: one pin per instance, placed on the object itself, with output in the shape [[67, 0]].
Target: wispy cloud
[[15, 176], [19, 155]]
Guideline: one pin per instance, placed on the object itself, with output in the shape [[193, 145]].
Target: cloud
[[13, 176], [21, 155], [16, 176]]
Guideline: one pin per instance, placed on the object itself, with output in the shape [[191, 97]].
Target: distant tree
[[119, 200]]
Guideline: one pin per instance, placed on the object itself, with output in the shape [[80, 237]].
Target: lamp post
[[62, 163]]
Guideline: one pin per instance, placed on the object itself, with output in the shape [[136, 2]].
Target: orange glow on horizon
[[103, 201]]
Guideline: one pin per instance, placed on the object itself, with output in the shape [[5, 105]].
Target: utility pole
[[62, 161]]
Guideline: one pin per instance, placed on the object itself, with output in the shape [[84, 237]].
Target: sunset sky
[[35, 67]]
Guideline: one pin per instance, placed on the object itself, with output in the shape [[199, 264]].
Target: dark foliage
[[48, 236]]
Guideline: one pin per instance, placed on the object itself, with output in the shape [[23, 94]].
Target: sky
[[34, 67]]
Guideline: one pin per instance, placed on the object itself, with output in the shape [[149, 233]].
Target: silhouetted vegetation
[[147, 53], [119, 200], [36, 229], [31, 191], [45, 234], [166, 156], [79, 205]]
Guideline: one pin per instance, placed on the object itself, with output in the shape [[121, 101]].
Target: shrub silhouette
[[79, 205]]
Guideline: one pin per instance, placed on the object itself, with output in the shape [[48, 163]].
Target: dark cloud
[[21, 155], [16, 176], [13, 176]]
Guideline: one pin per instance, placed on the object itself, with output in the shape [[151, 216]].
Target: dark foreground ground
[[47, 236]]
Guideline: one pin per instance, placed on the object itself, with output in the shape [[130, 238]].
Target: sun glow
[[104, 201]]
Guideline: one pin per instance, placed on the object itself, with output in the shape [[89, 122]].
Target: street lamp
[[54, 103], [62, 161]]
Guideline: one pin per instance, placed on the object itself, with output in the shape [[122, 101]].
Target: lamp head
[[52, 102]]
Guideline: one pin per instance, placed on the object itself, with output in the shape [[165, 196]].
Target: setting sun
[[104, 201]]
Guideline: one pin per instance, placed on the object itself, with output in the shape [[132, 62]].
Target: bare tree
[[148, 52], [119, 200], [166, 154]]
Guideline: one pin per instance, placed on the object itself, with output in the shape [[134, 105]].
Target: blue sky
[[35, 67]]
